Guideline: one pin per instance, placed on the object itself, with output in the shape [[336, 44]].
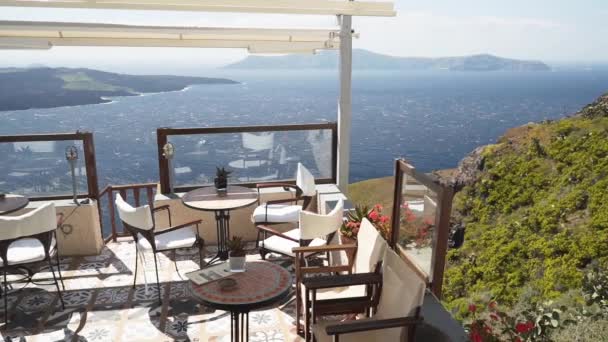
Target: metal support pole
[[345, 101]]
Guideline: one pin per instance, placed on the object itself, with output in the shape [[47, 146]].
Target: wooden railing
[[136, 191]]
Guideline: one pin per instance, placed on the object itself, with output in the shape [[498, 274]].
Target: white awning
[[323, 7], [43, 35]]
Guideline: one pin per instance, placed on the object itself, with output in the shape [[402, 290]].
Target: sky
[[553, 31]]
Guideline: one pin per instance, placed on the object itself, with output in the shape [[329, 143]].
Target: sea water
[[431, 118]]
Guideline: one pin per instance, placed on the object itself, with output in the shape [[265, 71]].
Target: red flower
[[384, 219], [475, 336], [523, 328], [472, 308], [492, 305], [378, 207], [517, 339]]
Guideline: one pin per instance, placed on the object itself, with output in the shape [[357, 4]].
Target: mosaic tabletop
[[261, 284]]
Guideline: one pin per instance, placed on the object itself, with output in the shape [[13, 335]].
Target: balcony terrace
[[98, 259]]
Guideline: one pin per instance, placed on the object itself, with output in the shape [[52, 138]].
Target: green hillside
[[536, 213]]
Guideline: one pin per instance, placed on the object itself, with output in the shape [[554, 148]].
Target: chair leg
[[201, 244], [136, 262], [5, 294], [59, 270], [56, 284], [157, 279], [175, 262], [298, 311]]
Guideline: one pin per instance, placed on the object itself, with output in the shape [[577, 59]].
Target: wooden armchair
[[313, 230], [286, 210], [397, 314], [334, 294]]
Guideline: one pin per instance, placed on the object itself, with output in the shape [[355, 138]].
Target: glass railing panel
[[40, 168], [417, 222], [252, 157]]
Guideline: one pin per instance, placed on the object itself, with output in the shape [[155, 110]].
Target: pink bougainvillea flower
[[373, 216], [378, 207], [492, 305]]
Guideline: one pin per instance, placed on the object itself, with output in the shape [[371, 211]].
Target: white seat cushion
[[26, 250], [180, 238], [277, 213], [337, 292], [280, 245], [318, 330]]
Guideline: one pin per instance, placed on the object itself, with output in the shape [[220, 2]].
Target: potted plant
[[236, 254], [221, 178]]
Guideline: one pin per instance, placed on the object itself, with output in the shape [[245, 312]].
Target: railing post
[[90, 164], [163, 163], [395, 223], [440, 249], [111, 210], [334, 153]]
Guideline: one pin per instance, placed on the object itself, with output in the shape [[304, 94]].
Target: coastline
[[109, 99]]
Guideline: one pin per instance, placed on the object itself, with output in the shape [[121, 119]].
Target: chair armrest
[[325, 248], [276, 232], [161, 207], [340, 280], [367, 325], [179, 226], [286, 200], [276, 185]]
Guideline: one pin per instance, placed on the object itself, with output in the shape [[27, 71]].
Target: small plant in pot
[[221, 178], [236, 254]]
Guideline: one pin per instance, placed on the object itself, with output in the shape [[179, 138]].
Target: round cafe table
[[262, 284], [221, 203], [11, 203]]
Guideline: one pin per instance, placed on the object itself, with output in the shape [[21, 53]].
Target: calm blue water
[[431, 118]]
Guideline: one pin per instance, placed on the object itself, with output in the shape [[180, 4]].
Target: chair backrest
[[139, 218], [37, 221], [402, 292], [316, 225], [371, 247], [258, 142], [305, 181]]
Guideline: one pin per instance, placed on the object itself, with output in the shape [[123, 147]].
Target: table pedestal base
[[222, 222], [239, 326]]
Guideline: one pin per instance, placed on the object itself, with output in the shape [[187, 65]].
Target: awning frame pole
[[345, 102]]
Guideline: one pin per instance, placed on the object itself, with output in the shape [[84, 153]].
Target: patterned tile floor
[[101, 305]]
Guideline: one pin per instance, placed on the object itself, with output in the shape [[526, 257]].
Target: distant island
[[363, 59], [42, 87]]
